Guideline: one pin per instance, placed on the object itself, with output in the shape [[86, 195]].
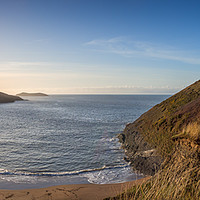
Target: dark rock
[[142, 156]]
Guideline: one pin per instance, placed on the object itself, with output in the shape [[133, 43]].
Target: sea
[[67, 139]]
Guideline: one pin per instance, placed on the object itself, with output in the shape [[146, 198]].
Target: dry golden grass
[[179, 177], [192, 130]]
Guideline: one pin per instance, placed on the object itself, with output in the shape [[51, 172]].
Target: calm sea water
[[67, 139]]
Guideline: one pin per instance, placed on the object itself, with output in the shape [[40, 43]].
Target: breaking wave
[[67, 173]]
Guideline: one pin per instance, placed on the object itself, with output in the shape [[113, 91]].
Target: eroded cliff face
[[150, 139], [5, 98], [142, 156]]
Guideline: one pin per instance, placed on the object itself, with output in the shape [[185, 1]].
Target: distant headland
[[5, 98], [31, 94]]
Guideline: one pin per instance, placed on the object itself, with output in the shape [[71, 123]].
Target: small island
[[5, 98], [32, 94]]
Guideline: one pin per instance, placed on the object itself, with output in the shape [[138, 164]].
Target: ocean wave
[[67, 173], [109, 139]]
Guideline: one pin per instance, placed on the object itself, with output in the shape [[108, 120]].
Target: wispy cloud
[[121, 90], [16, 66], [102, 42], [129, 48], [37, 41], [95, 90]]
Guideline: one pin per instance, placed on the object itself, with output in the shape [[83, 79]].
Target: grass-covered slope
[[172, 129], [164, 121], [152, 136], [5, 98]]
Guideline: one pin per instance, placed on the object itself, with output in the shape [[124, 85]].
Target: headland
[[5, 98]]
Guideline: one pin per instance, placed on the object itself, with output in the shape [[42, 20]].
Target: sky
[[99, 46]]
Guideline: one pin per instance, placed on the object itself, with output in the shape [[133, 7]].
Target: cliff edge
[[151, 138]]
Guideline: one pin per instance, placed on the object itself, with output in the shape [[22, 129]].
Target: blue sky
[[99, 46]]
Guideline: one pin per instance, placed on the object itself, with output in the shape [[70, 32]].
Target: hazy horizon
[[102, 91], [99, 47]]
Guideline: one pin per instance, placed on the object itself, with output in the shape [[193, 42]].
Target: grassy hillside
[[172, 129], [163, 123]]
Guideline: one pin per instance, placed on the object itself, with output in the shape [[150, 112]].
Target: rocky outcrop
[[142, 156], [5, 98]]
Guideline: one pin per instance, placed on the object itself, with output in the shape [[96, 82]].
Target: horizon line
[[110, 94]]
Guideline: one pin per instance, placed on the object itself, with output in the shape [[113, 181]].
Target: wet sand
[[70, 192]]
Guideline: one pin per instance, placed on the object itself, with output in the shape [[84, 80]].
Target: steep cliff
[[152, 137]]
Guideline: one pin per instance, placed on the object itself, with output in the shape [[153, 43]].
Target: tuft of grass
[[192, 130]]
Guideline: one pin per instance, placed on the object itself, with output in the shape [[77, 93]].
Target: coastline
[[5, 98], [71, 192], [52, 191]]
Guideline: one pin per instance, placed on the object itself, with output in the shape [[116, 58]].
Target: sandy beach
[[70, 192]]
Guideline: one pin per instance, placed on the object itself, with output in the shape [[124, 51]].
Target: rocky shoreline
[[151, 138], [142, 156]]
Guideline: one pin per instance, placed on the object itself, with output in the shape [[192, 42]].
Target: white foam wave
[[67, 173], [115, 175]]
